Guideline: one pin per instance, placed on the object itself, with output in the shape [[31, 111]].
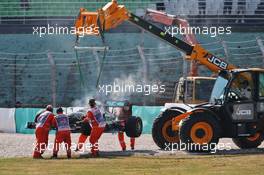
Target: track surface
[[21, 145]]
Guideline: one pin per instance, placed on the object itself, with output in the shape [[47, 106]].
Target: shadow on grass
[[240, 151], [114, 154], [176, 154], [231, 152]]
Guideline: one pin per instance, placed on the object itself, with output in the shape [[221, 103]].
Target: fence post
[[145, 67], [24, 21], [97, 61], [53, 78], [15, 81], [184, 65], [261, 46], [184, 73], [225, 50], [144, 62]]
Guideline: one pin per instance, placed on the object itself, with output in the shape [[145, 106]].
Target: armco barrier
[[147, 114], [22, 116], [7, 120]]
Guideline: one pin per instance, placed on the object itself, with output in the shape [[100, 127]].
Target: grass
[[217, 164]]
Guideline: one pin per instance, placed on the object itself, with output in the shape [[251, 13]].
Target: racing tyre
[[133, 126], [86, 129], [75, 118]]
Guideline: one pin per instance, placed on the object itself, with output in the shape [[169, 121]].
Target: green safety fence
[[147, 114]]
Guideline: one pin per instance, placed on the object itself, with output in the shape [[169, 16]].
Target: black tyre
[[86, 128], [75, 118], [162, 132], [133, 126], [30, 125], [249, 142], [199, 133]]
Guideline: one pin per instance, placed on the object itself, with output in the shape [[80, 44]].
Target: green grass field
[[232, 164]]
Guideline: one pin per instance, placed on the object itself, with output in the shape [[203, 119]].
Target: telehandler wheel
[[162, 133], [199, 133], [249, 142]]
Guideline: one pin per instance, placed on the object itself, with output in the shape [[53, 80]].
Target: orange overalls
[[44, 123], [123, 143], [123, 115], [84, 135], [63, 134], [81, 141], [97, 122]]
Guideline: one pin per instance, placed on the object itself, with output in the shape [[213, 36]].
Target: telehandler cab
[[235, 110]]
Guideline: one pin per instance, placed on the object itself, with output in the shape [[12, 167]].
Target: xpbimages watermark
[[211, 31], [94, 30], [64, 147], [194, 147], [147, 89], [64, 30]]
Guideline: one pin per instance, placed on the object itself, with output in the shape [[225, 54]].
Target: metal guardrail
[[59, 8], [66, 8]]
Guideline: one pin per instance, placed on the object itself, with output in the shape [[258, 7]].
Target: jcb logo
[[218, 62], [243, 112]]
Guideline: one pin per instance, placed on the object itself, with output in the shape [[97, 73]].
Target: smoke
[[129, 80], [83, 102], [101, 97]]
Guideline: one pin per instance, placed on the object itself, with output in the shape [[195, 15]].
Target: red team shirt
[[61, 122], [45, 120], [95, 118]]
